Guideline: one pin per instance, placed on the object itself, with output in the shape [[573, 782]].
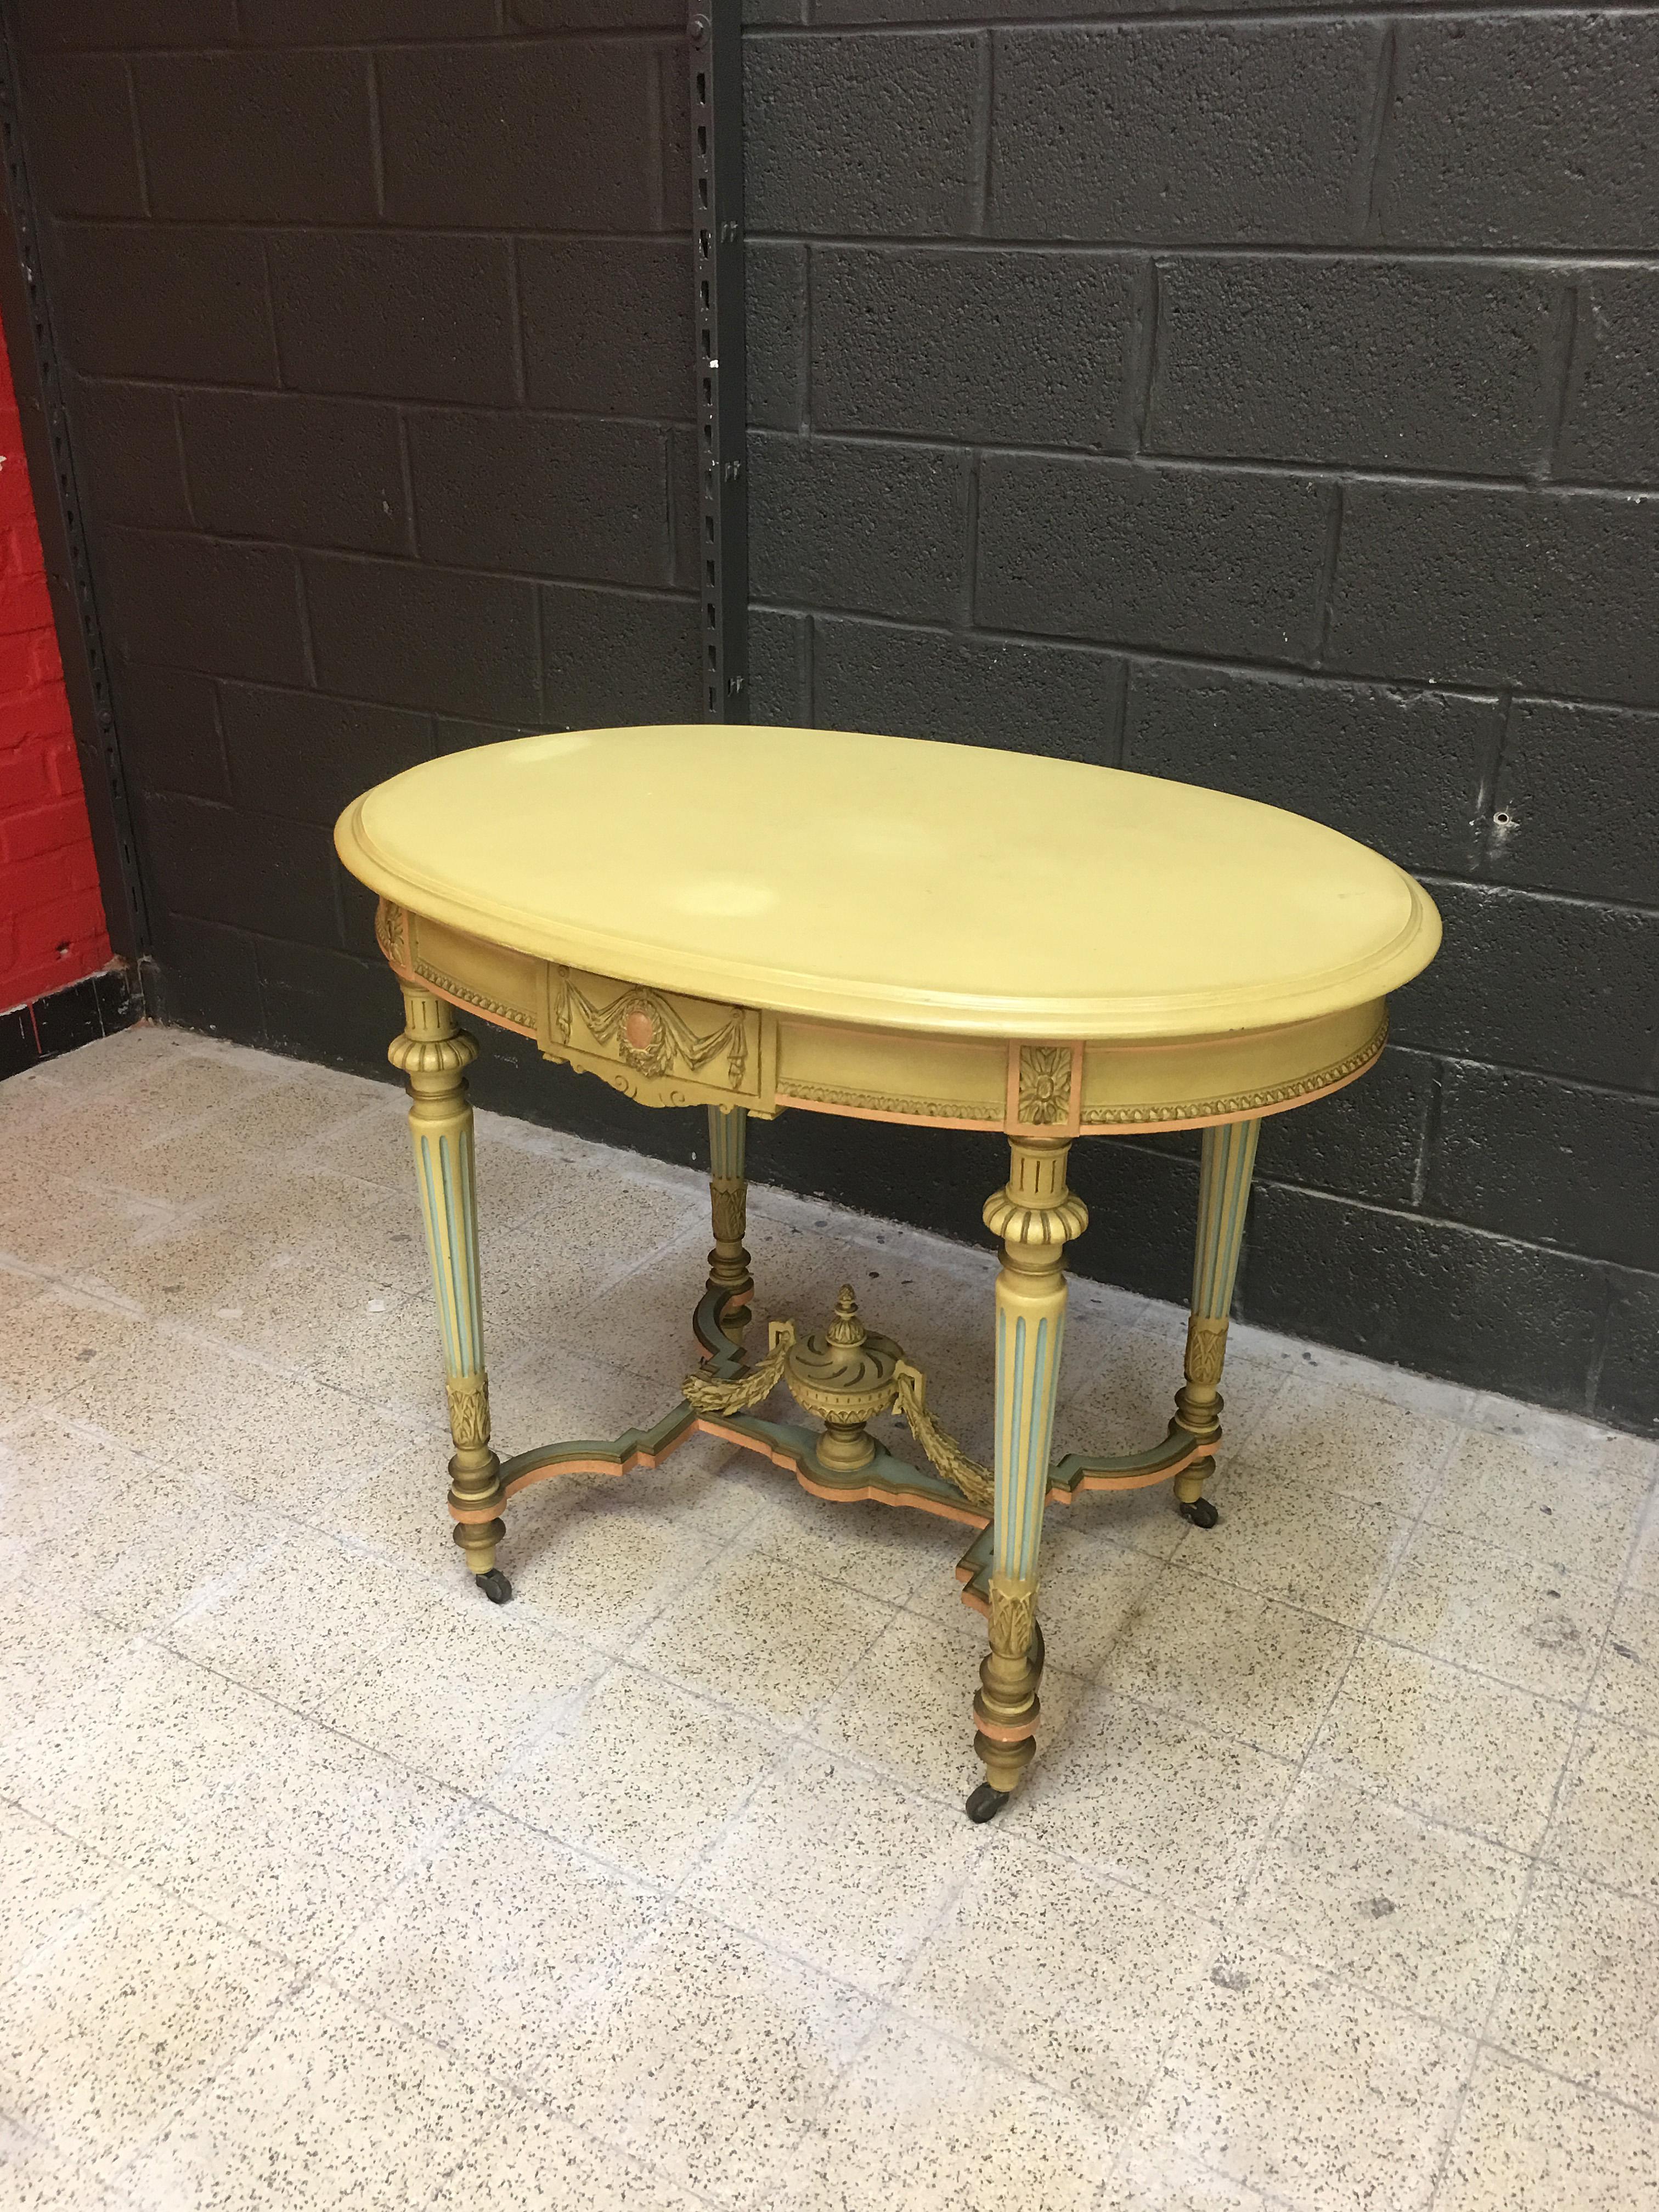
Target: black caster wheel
[[986, 1803], [1200, 1512], [495, 1586]]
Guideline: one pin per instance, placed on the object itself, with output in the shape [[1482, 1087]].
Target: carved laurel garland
[[706, 1394], [647, 1033], [948, 1457]]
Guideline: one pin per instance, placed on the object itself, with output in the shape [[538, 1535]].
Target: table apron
[[668, 1048]]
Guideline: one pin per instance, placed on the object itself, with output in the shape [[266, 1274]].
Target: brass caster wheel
[[495, 1586], [986, 1803], [1200, 1512]]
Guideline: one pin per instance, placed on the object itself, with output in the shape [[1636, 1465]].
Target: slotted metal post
[[716, 50]]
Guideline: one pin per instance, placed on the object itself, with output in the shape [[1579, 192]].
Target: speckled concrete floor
[[325, 1883]]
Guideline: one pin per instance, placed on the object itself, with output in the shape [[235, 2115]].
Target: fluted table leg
[[1035, 1215], [433, 1056], [729, 1205], [1224, 1194]]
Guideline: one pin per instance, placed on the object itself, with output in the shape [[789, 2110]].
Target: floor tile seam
[[1072, 1867], [1189, 1558], [1243, 1878], [106, 1300], [891, 2013], [425, 1836], [335, 1539], [1476, 1673], [534, 1631], [608, 1282], [205, 2084], [1171, 1709], [310, 1968], [1243, 1881], [1633, 1548], [611, 2156], [1443, 2163], [164, 1892], [618, 1875], [108, 2197], [313, 1720], [199, 2082], [241, 1356], [706, 1856], [1390, 1999], [100, 1102], [42, 1951], [103, 1665], [91, 1432], [776, 1731], [831, 1690], [1501, 1977], [640, 1624], [1268, 2199], [896, 1605], [1420, 1522], [1210, 1951], [1370, 1635], [1532, 1559], [525, 2091], [788, 1752], [226, 1585], [1101, 1696], [1583, 1717], [1585, 1711], [325, 1972], [1446, 2033], [954, 1893], [1358, 1778], [1495, 2047]]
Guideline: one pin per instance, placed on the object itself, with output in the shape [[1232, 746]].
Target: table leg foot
[[495, 1586], [1190, 1502], [985, 1803]]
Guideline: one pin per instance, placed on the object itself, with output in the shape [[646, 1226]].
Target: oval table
[[752, 920]]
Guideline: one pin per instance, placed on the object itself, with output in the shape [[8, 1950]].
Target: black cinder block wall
[[375, 319], [1270, 400]]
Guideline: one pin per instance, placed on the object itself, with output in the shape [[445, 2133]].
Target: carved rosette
[[1045, 1085]]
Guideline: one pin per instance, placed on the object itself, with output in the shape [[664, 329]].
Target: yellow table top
[[896, 882]]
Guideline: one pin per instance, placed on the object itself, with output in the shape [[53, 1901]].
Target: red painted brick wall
[[51, 912]]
